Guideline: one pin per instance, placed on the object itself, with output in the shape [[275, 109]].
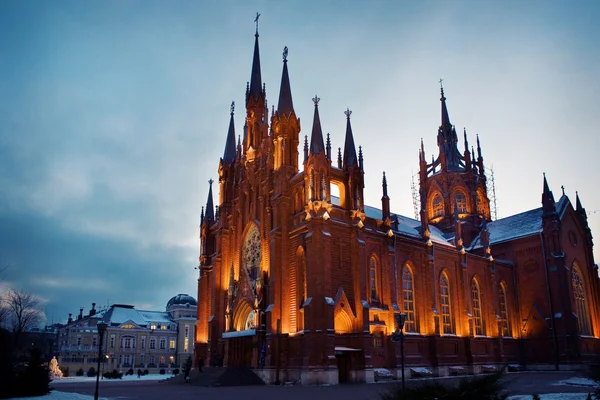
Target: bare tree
[[24, 311]]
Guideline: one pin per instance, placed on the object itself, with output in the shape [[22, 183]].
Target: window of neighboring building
[[579, 293], [447, 326], [186, 343], [153, 343], [461, 202], [143, 343], [153, 326], [438, 206], [171, 360], [112, 340], [373, 278], [504, 331], [476, 303], [163, 343], [78, 340], [151, 361], [162, 361], [172, 344], [94, 340], [409, 299]]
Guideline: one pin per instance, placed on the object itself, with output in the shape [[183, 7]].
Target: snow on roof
[[519, 225], [406, 226], [119, 314], [155, 316]]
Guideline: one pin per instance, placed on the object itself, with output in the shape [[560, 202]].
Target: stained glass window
[[461, 202], [579, 294], [438, 206], [252, 252]]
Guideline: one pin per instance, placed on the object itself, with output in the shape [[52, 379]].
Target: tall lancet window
[[447, 326], [311, 186], [373, 278], [438, 206], [408, 294], [579, 293], [476, 303], [503, 309], [461, 202]]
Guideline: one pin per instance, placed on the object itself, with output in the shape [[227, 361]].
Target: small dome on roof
[[182, 300]]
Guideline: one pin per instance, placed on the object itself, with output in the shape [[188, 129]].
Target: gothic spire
[[350, 158], [285, 105], [466, 141], [328, 147], [385, 200], [445, 117], [255, 88], [547, 199], [210, 208], [230, 151], [316, 139]]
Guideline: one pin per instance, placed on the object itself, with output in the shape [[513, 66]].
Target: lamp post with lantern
[[101, 326], [398, 336]]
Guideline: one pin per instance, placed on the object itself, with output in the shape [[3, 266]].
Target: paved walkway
[[519, 383]]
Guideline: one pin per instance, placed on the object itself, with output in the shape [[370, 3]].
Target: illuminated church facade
[[301, 285]]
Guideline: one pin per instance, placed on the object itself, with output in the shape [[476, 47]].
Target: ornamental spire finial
[[232, 108], [348, 112], [285, 53], [256, 21], [316, 100]]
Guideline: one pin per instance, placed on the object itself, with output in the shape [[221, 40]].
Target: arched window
[[461, 202], [480, 204], [409, 300], [503, 321], [476, 303], [445, 304], [580, 302], [373, 278], [437, 206]]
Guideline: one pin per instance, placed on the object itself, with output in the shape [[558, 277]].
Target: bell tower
[[453, 186]]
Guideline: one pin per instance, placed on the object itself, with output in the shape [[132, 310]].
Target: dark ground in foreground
[[518, 383]]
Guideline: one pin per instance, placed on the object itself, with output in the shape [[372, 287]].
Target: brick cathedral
[[302, 285]]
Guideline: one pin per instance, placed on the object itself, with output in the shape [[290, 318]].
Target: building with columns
[[137, 339], [302, 284]]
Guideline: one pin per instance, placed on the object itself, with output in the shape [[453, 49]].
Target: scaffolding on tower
[[493, 198], [416, 197]]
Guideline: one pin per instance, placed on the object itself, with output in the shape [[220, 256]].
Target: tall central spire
[[255, 78]]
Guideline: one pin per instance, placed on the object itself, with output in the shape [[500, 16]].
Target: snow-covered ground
[[552, 396], [73, 379]]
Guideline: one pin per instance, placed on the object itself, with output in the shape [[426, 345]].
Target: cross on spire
[[210, 181], [285, 53], [256, 21]]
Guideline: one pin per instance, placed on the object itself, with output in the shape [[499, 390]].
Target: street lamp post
[[101, 329], [399, 336]]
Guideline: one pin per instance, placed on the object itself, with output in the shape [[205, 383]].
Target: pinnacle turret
[[285, 105], [350, 159], [316, 139], [210, 208], [230, 150]]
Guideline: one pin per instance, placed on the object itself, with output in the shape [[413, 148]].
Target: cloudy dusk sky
[[113, 116]]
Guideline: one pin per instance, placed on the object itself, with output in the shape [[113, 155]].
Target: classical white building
[[135, 339]]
